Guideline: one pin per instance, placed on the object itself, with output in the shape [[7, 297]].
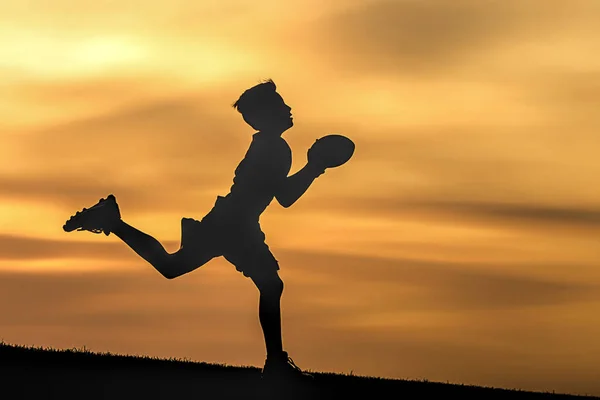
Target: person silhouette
[[231, 228]]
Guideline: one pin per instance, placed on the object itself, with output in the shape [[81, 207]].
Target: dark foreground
[[30, 373]]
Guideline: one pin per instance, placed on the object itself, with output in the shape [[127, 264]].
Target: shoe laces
[[93, 230], [292, 364]]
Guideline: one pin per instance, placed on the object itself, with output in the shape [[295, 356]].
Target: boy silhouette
[[231, 229]]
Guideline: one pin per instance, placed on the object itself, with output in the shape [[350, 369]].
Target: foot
[[282, 367], [99, 218]]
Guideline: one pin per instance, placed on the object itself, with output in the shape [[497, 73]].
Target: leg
[[278, 365], [247, 251], [254, 259], [105, 216], [270, 287], [170, 265]]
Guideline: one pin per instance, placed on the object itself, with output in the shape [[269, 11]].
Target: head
[[264, 109]]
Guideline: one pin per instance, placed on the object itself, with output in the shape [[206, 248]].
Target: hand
[[316, 170]]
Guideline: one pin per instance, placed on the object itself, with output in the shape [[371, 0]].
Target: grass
[[45, 373]]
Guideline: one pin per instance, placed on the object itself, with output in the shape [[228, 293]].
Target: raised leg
[[170, 265], [105, 216]]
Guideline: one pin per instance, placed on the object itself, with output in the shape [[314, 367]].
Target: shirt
[[259, 176]]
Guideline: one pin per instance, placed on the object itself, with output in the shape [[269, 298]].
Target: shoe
[[97, 219], [282, 367]]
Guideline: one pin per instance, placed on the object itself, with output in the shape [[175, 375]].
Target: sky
[[459, 244]]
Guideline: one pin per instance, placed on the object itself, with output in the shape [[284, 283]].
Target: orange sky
[[460, 244]]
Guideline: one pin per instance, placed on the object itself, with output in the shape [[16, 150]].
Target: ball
[[331, 151]]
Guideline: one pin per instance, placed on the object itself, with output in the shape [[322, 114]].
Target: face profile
[[282, 112], [274, 117], [264, 109]]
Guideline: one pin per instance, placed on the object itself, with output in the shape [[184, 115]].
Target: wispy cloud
[[462, 229], [438, 36]]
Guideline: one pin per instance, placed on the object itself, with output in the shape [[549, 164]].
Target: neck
[[271, 132]]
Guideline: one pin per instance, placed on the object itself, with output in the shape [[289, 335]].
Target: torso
[[257, 177]]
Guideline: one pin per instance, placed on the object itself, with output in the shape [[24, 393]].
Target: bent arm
[[295, 186]]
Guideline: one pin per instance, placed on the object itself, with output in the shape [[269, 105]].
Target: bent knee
[[169, 275], [165, 268], [179, 263], [168, 267]]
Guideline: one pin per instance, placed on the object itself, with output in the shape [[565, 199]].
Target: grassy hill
[[36, 373]]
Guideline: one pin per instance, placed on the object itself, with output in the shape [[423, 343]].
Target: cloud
[[394, 35], [421, 284], [71, 191], [174, 154], [181, 127], [32, 248], [144, 153], [527, 213], [94, 94], [479, 101], [200, 317], [437, 36], [159, 154], [435, 284], [570, 96], [516, 214]]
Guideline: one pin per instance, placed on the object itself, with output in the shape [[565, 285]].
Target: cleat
[[97, 219], [282, 367]]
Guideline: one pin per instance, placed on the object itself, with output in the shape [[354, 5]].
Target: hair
[[254, 99]]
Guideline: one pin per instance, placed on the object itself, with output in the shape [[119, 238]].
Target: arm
[[296, 185]]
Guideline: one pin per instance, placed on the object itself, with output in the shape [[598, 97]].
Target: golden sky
[[459, 244]]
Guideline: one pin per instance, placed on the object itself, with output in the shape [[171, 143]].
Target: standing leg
[[246, 249], [277, 365], [269, 311]]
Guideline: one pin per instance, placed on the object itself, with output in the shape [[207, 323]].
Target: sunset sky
[[461, 242]]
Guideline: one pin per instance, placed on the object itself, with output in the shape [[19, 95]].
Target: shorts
[[239, 240]]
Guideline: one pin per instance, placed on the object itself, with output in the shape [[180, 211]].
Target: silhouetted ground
[[35, 373]]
